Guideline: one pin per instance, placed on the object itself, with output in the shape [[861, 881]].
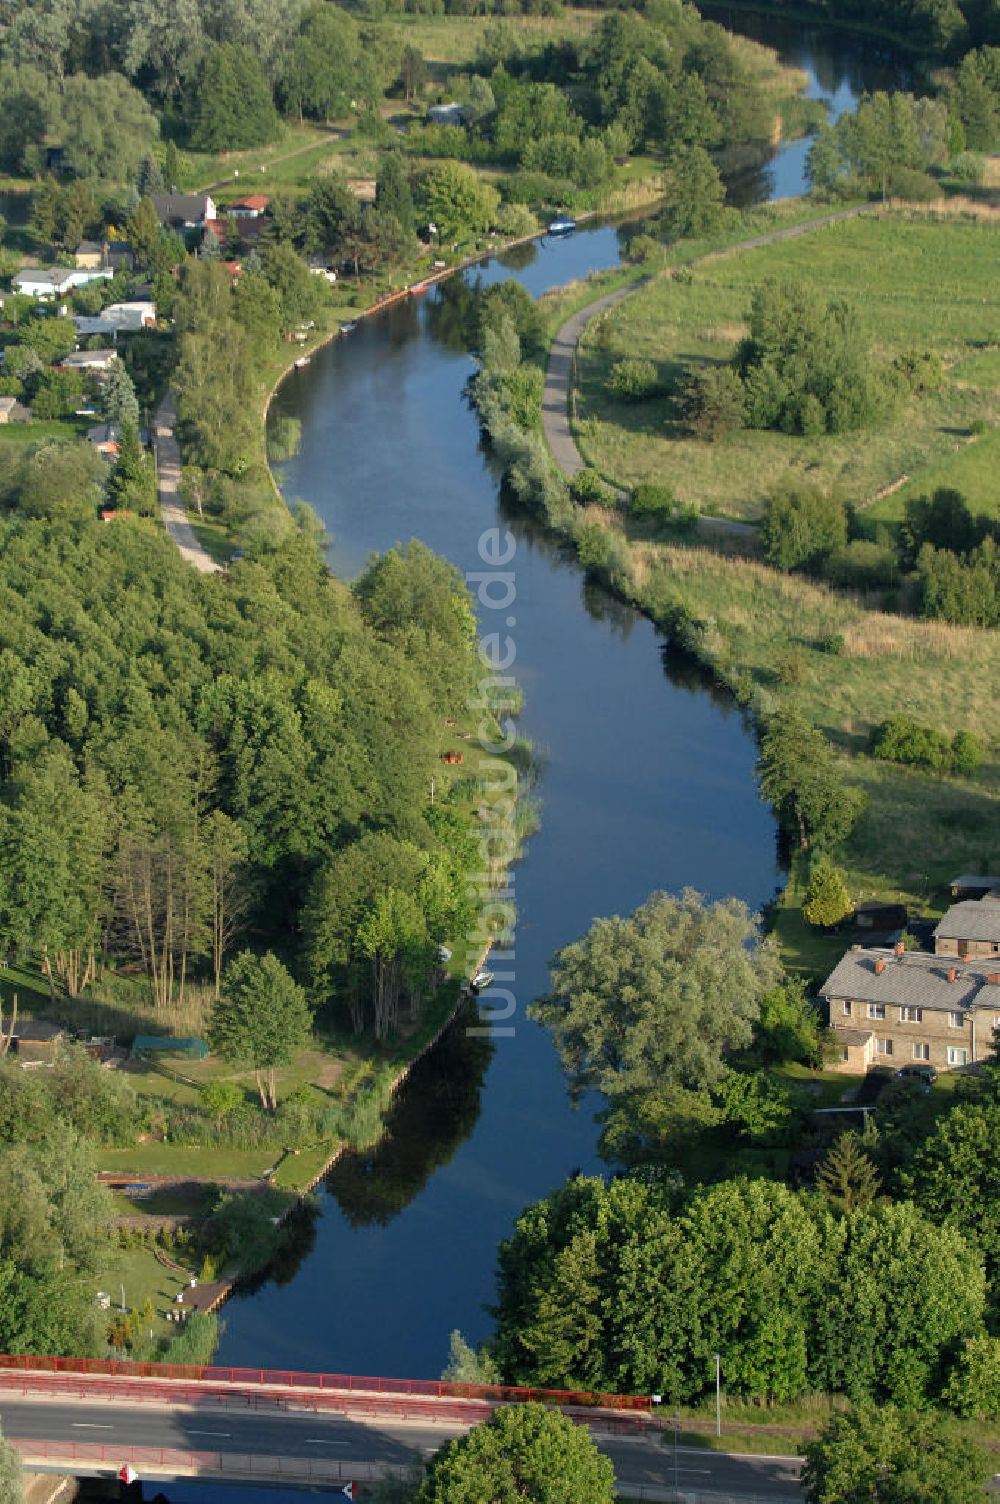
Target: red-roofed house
[[250, 207]]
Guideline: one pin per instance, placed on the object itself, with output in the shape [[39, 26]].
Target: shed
[[880, 916], [973, 885], [35, 1041]]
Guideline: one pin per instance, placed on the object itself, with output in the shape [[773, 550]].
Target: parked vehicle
[[918, 1072], [482, 980]]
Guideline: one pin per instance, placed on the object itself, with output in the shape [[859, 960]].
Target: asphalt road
[[321, 1434]]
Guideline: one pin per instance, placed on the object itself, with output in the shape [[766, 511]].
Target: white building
[[119, 318], [57, 281]]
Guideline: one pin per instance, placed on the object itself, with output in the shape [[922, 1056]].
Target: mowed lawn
[[918, 282]]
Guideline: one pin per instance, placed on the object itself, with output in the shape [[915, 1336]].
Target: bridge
[[307, 1430]]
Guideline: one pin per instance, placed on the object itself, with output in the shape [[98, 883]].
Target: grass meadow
[[919, 282]]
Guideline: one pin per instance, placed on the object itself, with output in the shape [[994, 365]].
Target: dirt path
[[335, 133], [556, 423], [168, 485]]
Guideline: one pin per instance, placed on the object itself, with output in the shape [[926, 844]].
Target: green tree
[[954, 1176], [107, 127], [694, 194], [118, 398], [221, 1099], [412, 72], [802, 528], [232, 106], [645, 1009], [788, 1027], [800, 775], [848, 1177], [522, 1453], [11, 1473], [827, 900], [973, 1390], [393, 194], [916, 1291], [143, 231], [457, 201], [892, 1456], [713, 402], [467, 1366], [262, 1019], [325, 68], [300, 294], [413, 598]]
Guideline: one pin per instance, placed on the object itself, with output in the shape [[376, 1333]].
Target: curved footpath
[[168, 485], [556, 423]]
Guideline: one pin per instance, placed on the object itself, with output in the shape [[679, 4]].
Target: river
[[647, 782]]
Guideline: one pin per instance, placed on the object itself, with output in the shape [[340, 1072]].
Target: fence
[[345, 1383]]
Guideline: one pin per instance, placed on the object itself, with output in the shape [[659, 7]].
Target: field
[[917, 282], [917, 830]]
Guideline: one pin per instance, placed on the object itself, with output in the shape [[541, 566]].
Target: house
[[119, 318], [891, 1006], [11, 411], [56, 281], [251, 207], [184, 211], [120, 257], [973, 885], [446, 114], [34, 1041], [90, 255], [88, 360], [104, 437], [970, 928]]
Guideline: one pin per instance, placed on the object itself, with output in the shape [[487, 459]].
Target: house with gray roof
[[183, 211], [970, 929], [894, 1007]]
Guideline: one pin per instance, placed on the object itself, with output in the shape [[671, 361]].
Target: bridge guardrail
[[106, 1455], [345, 1383], [362, 1405]]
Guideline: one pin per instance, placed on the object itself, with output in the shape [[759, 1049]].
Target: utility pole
[[718, 1395]]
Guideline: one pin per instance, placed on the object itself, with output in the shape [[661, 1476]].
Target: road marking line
[[324, 1441], [90, 1425], [210, 1433]]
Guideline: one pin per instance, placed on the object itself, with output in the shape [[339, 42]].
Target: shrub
[[632, 380], [861, 565], [966, 752], [920, 370], [913, 184], [588, 489], [905, 741], [833, 644], [827, 900], [713, 402]]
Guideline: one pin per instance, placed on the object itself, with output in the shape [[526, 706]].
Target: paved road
[[269, 1431], [168, 483], [556, 423]]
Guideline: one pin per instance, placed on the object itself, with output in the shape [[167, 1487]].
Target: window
[[996, 1020], [883, 1046], [957, 1056], [876, 1010], [847, 1009], [911, 1015], [955, 1021], [921, 1051], [845, 1054]]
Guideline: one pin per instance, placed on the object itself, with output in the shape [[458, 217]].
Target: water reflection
[[434, 1114]]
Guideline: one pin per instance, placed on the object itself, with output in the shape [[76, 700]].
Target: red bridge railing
[[345, 1383]]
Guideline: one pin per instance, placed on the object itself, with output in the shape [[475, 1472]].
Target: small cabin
[[35, 1041]]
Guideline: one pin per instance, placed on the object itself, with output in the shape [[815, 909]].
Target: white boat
[[302, 361], [349, 327], [562, 226], [482, 980]]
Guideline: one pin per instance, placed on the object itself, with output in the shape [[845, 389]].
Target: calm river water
[[647, 782]]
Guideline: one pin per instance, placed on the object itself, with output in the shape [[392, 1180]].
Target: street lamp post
[[677, 1432], [718, 1395]]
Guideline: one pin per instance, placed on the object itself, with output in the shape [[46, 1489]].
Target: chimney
[[900, 948], [953, 973], [879, 966]]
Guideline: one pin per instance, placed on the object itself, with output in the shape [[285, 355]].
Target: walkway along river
[[647, 782]]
